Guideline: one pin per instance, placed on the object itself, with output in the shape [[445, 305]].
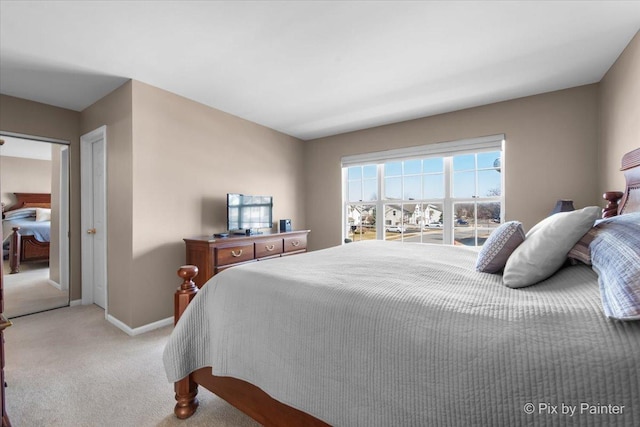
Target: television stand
[[211, 256]]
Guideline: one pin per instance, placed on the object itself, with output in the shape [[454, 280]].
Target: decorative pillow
[[20, 213], [546, 246], [615, 255], [499, 246], [580, 252], [43, 214]]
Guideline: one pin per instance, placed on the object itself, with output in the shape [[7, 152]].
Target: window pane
[[464, 162], [464, 224], [393, 188], [392, 218], [488, 183], [355, 172], [488, 214], [355, 191], [433, 165], [402, 221], [412, 167], [464, 184], [412, 187], [433, 186], [432, 228], [370, 190], [488, 220], [361, 222], [487, 160], [370, 171], [393, 169]]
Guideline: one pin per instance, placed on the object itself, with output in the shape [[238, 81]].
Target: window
[[439, 193]]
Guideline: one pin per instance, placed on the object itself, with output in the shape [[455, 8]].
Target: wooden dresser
[[212, 255]]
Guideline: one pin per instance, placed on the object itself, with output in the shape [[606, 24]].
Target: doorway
[[34, 191]]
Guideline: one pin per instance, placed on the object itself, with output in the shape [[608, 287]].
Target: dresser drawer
[[233, 254], [295, 243], [268, 248]]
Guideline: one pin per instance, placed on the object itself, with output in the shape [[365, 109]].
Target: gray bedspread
[[388, 334]]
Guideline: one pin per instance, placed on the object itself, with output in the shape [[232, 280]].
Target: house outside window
[[449, 193]]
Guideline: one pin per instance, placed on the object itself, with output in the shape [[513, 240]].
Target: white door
[[93, 206]]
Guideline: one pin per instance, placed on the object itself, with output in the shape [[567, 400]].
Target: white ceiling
[[311, 69], [26, 148]]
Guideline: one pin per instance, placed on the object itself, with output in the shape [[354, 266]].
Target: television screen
[[249, 212]]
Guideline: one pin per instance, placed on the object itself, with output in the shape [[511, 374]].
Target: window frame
[[445, 150]]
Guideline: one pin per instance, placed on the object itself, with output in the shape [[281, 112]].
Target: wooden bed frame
[[27, 248], [269, 412]]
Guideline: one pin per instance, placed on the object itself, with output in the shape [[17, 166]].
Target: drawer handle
[[236, 254], [295, 243], [270, 247]]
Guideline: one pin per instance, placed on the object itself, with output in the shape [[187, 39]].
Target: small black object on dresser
[[285, 225]]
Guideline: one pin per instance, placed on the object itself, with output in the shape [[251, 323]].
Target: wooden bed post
[[612, 207], [186, 389], [14, 251]]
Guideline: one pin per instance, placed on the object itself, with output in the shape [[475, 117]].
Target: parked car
[[461, 221], [434, 225], [397, 229]]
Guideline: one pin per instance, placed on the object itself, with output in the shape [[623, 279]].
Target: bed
[[383, 333], [26, 227]]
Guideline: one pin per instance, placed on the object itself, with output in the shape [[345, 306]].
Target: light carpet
[[70, 367], [30, 291]]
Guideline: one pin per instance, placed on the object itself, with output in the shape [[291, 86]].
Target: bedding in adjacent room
[[25, 218]]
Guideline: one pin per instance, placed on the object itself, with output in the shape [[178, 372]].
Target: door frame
[[86, 176], [65, 208]]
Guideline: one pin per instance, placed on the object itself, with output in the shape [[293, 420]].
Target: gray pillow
[[499, 246], [546, 246]]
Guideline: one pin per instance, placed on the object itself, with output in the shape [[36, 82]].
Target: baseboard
[[75, 302], [141, 329], [54, 284]]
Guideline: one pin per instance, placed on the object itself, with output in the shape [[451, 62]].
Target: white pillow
[[546, 246], [43, 214]]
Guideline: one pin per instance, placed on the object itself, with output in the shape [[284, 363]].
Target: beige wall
[[115, 111], [551, 146], [21, 175], [186, 158], [170, 163], [620, 115], [36, 119]]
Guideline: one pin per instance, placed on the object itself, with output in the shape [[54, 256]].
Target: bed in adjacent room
[[382, 333], [26, 227]]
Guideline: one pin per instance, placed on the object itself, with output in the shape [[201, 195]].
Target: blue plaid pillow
[[615, 256]]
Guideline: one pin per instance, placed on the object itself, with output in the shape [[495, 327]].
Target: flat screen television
[[249, 212]]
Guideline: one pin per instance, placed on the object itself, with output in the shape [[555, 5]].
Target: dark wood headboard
[[31, 200], [631, 168], [630, 197]]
